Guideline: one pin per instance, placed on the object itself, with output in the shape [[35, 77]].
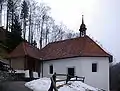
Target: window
[[51, 69], [94, 67]]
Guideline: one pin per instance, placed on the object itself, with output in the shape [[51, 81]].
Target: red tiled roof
[[25, 49], [76, 47]]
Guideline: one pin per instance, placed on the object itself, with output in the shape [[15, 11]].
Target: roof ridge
[[67, 40]]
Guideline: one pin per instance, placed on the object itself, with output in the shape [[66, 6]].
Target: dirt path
[[13, 86]]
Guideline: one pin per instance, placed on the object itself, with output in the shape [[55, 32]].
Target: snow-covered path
[[43, 84]]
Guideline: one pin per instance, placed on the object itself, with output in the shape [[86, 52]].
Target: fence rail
[[68, 78]]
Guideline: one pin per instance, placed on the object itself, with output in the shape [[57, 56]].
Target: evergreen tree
[[24, 16], [17, 27], [14, 37]]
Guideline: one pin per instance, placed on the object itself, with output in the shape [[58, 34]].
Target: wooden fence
[[68, 78]]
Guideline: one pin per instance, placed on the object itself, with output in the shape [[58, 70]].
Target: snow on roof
[[43, 84]]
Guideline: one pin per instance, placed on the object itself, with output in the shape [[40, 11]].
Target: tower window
[[94, 67], [51, 69]]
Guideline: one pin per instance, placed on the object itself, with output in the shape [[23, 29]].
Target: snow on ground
[[43, 84]]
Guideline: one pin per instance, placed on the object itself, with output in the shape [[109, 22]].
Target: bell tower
[[82, 28]]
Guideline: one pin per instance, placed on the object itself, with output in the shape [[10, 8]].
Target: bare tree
[[1, 7], [57, 33], [49, 29], [36, 22], [32, 16], [71, 34], [12, 6], [42, 13], [24, 16]]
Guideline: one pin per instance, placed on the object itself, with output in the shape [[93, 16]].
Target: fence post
[[67, 78], [54, 77], [53, 82], [83, 79], [76, 78], [51, 86]]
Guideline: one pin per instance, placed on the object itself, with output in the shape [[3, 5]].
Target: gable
[[25, 49]]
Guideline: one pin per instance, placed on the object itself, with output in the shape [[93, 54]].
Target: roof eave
[[110, 58]]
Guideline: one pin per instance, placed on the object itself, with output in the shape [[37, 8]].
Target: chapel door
[[71, 71]]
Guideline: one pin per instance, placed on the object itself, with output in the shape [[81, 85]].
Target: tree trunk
[[41, 33], [24, 29], [7, 19], [0, 14], [46, 35], [29, 36], [12, 19]]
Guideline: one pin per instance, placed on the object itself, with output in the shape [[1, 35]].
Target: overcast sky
[[102, 18]]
